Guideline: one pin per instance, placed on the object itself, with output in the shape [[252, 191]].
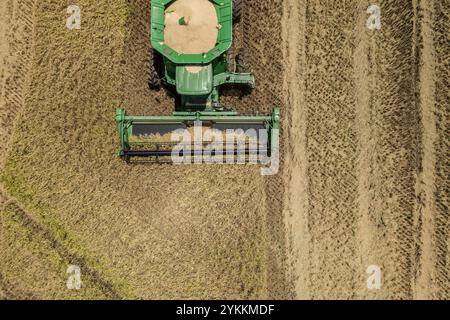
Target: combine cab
[[191, 40]]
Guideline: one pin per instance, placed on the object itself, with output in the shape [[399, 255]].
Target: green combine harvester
[[198, 95]]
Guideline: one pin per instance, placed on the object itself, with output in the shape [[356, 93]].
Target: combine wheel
[[238, 6], [242, 61], [154, 80]]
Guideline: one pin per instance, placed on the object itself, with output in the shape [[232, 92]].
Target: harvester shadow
[[236, 91]]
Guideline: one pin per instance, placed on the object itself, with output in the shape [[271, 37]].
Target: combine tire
[[242, 63], [154, 80], [238, 6], [243, 66], [231, 57]]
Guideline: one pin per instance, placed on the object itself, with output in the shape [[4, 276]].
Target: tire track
[[431, 272], [369, 227], [22, 35], [296, 189], [396, 127], [331, 149], [441, 38], [30, 223], [264, 18], [363, 151], [14, 85], [424, 284]]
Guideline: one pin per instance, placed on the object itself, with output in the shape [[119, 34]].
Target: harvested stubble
[[366, 141]]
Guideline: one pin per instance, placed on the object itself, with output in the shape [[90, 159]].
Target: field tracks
[[439, 12], [296, 201], [363, 179], [38, 230], [19, 27], [368, 233], [9, 291], [366, 149], [17, 63], [426, 259]]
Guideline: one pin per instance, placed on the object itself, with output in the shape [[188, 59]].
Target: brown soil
[[16, 40]]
